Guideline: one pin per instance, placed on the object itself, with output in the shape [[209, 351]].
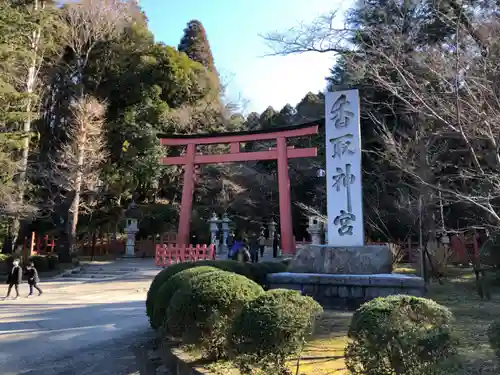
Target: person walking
[[33, 279], [14, 279], [262, 244], [254, 248], [276, 243]]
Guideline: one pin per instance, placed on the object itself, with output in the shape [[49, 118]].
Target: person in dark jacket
[[14, 279], [254, 248], [276, 244], [33, 279]]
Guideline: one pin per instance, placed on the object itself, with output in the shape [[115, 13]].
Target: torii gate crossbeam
[[281, 153]]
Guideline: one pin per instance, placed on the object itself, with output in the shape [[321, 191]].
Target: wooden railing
[[172, 254]]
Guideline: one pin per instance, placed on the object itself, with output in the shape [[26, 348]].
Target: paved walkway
[[93, 323]]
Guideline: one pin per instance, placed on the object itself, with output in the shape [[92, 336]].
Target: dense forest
[[85, 90]]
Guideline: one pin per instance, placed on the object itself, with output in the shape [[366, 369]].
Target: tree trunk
[[75, 203], [30, 87]]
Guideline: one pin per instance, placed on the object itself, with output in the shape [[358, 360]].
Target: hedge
[[202, 311], [169, 288], [271, 328], [400, 335], [259, 271], [230, 266], [159, 280]]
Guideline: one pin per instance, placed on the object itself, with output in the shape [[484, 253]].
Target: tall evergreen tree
[[195, 44]]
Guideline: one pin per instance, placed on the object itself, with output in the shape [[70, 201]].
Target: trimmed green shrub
[[201, 312], [53, 261], [259, 271], [271, 328], [159, 280], [286, 262], [230, 266], [41, 262], [489, 254], [494, 337], [400, 335], [9, 258], [169, 288]]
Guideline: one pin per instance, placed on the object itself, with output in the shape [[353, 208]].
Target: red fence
[[171, 254]]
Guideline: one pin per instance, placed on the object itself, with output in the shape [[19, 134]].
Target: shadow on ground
[[56, 338]]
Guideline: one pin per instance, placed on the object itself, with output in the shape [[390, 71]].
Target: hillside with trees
[[427, 76], [83, 106]]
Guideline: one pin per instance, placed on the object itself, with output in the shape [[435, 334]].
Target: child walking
[[14, 279], [33, 279]]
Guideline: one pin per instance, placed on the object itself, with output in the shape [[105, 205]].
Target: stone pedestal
[[325, 259], [347, 291]]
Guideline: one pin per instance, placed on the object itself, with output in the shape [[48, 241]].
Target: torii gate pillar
[[286, 226], [187, 196]]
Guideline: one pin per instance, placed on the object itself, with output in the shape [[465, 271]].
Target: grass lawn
[[323, 355]]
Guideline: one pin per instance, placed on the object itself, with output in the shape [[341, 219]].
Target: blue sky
[[233, 28]]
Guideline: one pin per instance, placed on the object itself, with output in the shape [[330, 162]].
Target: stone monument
[[344, 271], [345, 252]]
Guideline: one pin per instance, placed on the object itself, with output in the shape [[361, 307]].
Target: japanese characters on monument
[[343, 169]]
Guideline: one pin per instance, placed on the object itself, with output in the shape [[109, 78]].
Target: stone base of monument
[[347, 291], [345, 277]]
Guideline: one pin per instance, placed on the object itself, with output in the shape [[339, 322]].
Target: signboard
[[343, 169]]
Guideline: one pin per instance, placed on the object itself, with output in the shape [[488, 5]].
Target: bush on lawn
[[494, 337], [53, 261], [286, 262], [202, 311], [41, 262], [159, 280], [168, 289], [259, 271], [271, 328], [230, 266], [7, 259], [400, 335]]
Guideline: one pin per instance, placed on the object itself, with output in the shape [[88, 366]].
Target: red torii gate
[[281, 153]]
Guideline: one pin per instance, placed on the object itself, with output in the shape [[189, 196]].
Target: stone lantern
[[214, 228], [272, 228], [131, 229], [225, 231], [314, 228]]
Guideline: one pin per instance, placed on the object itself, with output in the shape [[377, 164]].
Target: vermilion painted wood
[[284, 194], [240, 138], [187, 194], [241, 156], [170, 254]]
